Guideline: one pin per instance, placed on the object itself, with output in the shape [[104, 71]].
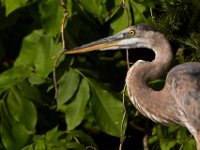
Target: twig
[[65, 14], [90, 148], [122, 137], [123, 3], [181, 147], [57, 57], [128, 18], [127, 59], [136, 127], [145, 142], [110, 12]]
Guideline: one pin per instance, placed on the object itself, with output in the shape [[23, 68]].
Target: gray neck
[[142, 96], [143, 71]]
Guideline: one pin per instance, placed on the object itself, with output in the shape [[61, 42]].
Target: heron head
[[131, 37]]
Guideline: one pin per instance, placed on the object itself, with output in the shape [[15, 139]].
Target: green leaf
[[68, 85], [13, 133], [121, 20], [13, 76], [34, 79], [189, 145], [157, 84], [171, 144], [85, 138], [29, 92], [14, 137], [75, 111], [153, 139], [38, 50], [22, 109], [52, 135], [39, 143], [138, 12], [173, 128], [52, 140], [29, 49], [29, 147], [12, 5], [107, 109], [46, 49], [51, 15], [95, 7], [20, 134], [182, 133]]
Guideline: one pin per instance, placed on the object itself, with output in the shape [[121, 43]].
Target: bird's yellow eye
[[131, 32]]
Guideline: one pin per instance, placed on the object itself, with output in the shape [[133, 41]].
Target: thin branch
[[181, 147], [65, 14], [145, 142], [127, 59], [57, 57], [128, 18], [136, 127], [122, 137], [110, 12], [123, 3]]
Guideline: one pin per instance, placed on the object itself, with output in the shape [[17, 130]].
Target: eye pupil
[[131, 32]]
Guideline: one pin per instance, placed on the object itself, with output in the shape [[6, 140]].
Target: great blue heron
[[179, 101]]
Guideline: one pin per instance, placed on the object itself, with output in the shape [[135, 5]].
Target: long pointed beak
[[111, 42]]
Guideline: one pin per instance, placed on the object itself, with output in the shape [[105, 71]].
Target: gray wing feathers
[[183, 82]]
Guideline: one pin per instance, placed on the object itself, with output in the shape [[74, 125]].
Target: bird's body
[[179, 101]]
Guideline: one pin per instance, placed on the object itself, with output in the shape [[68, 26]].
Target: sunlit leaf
[[46, 49], [51, 15], [107, 110], [38, 50], [153, 139], [35, 79], [95, 7], [173, 128], [12, 5], [189, 145], [68, 85], [53, 134], [39, 142], [138, 10], [122, 19], [75, 111], [29, 49]]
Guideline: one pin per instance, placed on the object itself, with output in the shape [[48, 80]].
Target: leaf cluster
[[85, 108]]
